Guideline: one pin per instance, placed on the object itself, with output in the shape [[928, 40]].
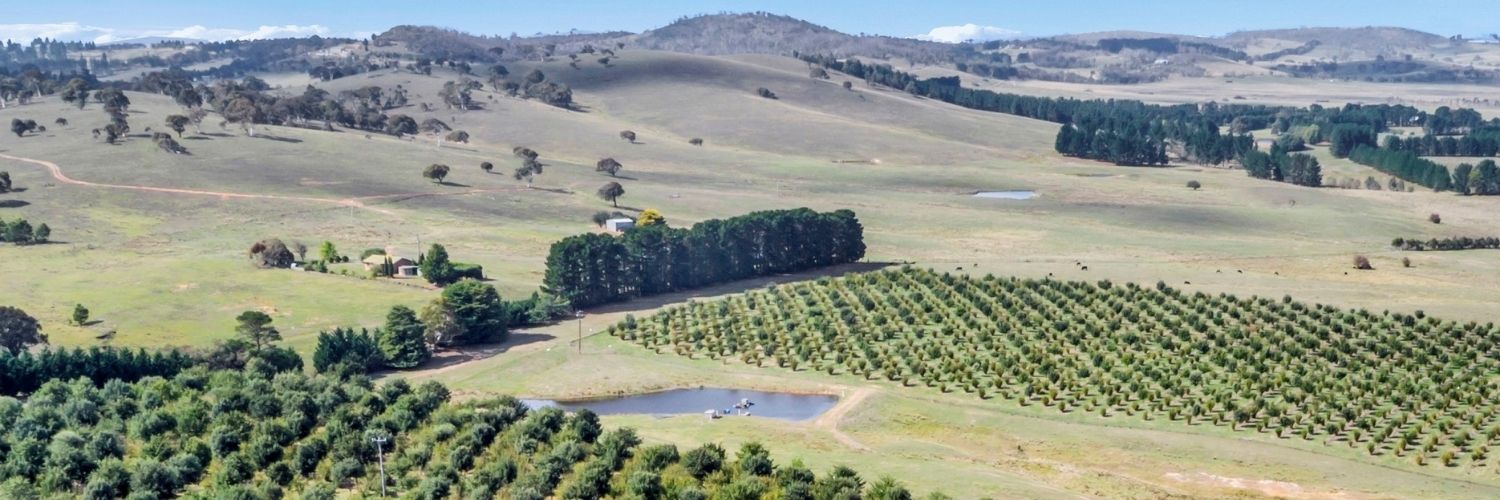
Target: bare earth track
[[357, 202]]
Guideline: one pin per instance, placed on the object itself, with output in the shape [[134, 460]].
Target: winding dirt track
[[358, 202], [830, 419]]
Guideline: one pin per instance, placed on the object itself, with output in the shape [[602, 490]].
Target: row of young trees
[[1407, 385], [1451, 243], [253, 435], [592, 269]]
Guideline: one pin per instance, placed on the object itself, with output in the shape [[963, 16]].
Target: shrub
[[1194, 185], [1435, 218], [1362, 263]]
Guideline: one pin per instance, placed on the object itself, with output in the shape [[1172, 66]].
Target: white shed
[[619, 225]]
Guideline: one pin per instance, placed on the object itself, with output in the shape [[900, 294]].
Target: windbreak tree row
[[592, 269], [1389, 384]]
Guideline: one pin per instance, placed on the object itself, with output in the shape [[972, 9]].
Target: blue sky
[[118, 19]]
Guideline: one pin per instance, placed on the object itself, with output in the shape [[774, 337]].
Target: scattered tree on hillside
[[254, 327], [818, 73], [80, 315], [534, 77], [21, 127], [599, 218], [848, 85], [401, 125], [178, 123], [487, 167], [436, 172], [167, 143], [528, 170], [1362, 263], [327, 252], [524, 152], [458, 136], [271, 253], [18, 330], [76, 92], [60, 121], [5, 182], [435, 126], [609, 166], [1194, 185], [695, 141], [1435, 218], [650, 217], [765, 92], [628, 136], [612, 192]]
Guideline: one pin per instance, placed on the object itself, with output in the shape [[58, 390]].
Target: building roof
[[379, 259]]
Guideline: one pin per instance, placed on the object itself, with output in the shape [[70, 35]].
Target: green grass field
[[168, 269]]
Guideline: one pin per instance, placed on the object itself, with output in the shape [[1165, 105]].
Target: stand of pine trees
[[1405, 165], [592, 269], [1482, 142], [1298, 168], [1128, 132], [24, 372]]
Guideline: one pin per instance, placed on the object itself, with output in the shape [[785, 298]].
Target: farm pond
[[702, 401], [1006, 195]]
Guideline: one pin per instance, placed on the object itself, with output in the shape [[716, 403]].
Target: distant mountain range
[[152, 40]]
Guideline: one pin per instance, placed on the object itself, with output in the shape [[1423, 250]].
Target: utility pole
[[380, 452], [579, 315]]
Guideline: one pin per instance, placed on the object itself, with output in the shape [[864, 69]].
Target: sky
[[942, 20]]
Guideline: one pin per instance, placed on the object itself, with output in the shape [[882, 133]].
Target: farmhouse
[[403, 267]]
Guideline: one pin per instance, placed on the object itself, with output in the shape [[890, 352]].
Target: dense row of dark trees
[[1404, 165], [1131, 132], [1481, 142], [1454, 243], [592, 269], [25, 371], [1296, 168], [1169, 46]]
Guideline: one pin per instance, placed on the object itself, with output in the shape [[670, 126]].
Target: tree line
[[1450, 243], [592, 269], [1482, 142], [1129, 132], [1404, 165], [22, 372], [1296, 168]]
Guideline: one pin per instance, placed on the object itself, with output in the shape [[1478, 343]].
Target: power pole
[[579, 315], [380, 452]]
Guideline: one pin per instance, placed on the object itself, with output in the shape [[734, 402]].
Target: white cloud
[[75, 31], [967, 32], [26, 32]]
